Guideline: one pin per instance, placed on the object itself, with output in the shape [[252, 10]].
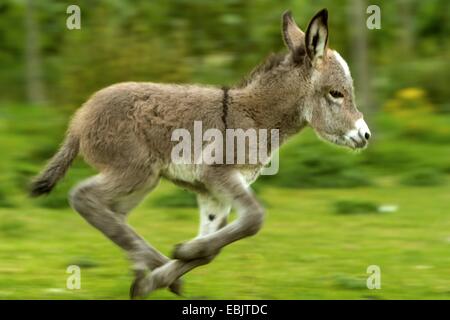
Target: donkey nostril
[[367, 135]]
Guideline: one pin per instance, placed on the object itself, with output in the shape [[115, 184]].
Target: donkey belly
[[190, 176], [187, 176]]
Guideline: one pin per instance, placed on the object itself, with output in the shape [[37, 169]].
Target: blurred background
[[331, 213]]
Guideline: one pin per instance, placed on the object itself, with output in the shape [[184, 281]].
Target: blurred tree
[[34, 80], [212, 42], [406, 7], [359, 50]]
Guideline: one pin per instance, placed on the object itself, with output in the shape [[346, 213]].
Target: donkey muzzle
[[359, 135]]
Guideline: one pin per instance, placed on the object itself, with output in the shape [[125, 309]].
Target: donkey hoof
[[142, 286], [177, 287], [135, 289], [177, 251], [190, 250]]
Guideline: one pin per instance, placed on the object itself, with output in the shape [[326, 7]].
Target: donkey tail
[[56, 167]]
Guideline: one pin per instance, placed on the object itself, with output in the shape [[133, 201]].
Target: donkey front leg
[[213, 216], [227, 185]]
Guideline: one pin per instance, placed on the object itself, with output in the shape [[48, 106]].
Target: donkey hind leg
[[213, 216], [104, 201]]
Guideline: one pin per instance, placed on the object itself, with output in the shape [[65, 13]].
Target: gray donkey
[[124, 131]]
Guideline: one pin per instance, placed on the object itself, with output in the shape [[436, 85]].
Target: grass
[[320, 235], [305, 250]]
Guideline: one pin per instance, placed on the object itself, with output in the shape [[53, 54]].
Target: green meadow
[[331, 214]]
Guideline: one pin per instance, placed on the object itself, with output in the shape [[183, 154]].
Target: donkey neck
[[266, 105]]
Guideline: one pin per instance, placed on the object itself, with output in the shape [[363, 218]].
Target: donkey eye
[[336, 94]]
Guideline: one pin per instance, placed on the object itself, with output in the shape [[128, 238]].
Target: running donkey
[[124, 131]]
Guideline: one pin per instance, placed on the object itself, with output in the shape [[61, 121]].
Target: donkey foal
[[125, 131]]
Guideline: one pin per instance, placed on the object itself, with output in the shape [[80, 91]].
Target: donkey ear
[[293, 37], [317, 36]]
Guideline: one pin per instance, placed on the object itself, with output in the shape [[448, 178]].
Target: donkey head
[[328, 102]]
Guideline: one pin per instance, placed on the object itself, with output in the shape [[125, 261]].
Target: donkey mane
[[270, 63]]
